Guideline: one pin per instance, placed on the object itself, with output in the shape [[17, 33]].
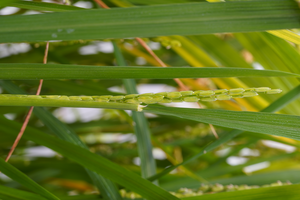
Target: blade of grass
[[141, 128], [263, 178], [26, 71], [20, 177], [264, 48], [91, 161], [7, 2], [289, 55], [215, 174], [268, 123], [19, 194], [105, 186], [275, 106], [43, 6], [287, 35], [151, 21]]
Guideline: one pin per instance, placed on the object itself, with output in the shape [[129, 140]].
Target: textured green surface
[[57, 71], [44, 6], [23, 179], [64, 132], [275, 106], [177, 19], [89, 160], [140, 124], [19, 194], [274, 124]]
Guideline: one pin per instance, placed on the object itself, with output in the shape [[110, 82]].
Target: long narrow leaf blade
[[268, 123], [150, 21], [89, 160], [43, 6], [61, 130], [287, 35], [7, 2], [19, 194], [20, 177], [18, 71], [275, 106]]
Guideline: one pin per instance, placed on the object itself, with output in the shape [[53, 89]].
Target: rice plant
[[131, 99]]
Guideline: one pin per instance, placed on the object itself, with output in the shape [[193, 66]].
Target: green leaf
[[61, 130], [151, 21], [91, 161], [20, 177], [32, 5], [6, 2], [290, 192], [57, 71], [275, 106], [287, 35], [262, 178], [141, 127], [19, 194], [268, 123]]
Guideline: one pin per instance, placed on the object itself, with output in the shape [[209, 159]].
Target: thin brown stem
[[102, 4], [149, 50], [25, 123], [143, 43]]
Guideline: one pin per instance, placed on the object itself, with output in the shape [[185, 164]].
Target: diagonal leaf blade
[[7, 2], [268, 123], [90, 161], [19, 194], [20, 177], [275, 106], [267, 193], [105, 186]]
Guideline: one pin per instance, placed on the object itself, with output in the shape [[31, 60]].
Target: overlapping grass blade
[[287, 35], [26, 71], [89, 160], [151, 21], [20, 177], [42, 6], [15, 100], [262, 178], [275, 106], [141, 127], [61, 130], [215, 174], [272, 57], [274, 124], [12, 193]]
